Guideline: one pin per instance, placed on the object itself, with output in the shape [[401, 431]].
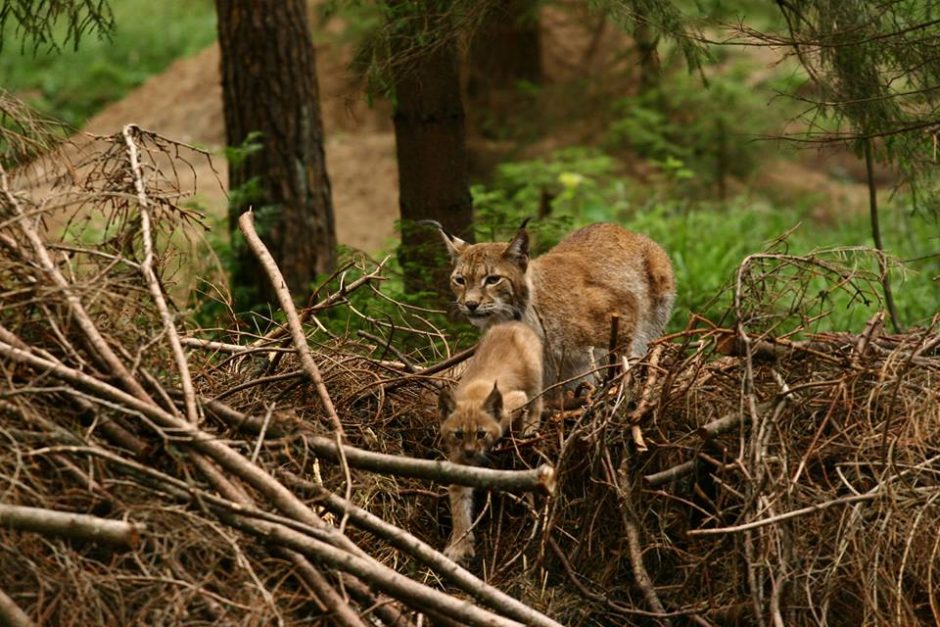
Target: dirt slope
[[185, 103]]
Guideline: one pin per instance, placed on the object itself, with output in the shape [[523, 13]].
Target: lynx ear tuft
[[493, 405], [455, 245], [446, 402], [518, 249]]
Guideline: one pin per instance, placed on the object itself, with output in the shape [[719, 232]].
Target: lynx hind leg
[[632, 338], [662, 293], [662, 311], [654, 325], [460, 547]]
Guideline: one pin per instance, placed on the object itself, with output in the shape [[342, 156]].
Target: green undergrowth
[[708, 240], [72, 85], [834, 288]]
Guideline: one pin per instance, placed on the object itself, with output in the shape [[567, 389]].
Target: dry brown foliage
[[755, 474]]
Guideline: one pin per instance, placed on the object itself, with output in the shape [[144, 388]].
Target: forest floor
[[184, 103]]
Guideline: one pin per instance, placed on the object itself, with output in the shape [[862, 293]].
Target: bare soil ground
[[185, 103]]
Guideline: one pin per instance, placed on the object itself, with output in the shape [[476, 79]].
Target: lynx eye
[[481, 434], [459, 280], [492, 279], [458, 434]]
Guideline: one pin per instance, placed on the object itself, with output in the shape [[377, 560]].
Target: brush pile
[[160, 473]]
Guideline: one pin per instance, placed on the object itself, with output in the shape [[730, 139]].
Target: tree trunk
[[271, 98], [432, 159], [647, 42], [505, 51]]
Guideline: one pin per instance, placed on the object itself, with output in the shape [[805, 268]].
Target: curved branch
[[246, 224], [380, 576], [451, 571]]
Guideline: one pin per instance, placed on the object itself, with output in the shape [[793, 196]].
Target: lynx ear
[[446, 402], [455, 245], [493, 405], [518, 249]]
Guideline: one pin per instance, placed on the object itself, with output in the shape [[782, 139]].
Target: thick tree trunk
[[647, 43], [270, 93], [505, 51], [432, 160]]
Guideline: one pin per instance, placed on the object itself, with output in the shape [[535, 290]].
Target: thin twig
[[876, 236]]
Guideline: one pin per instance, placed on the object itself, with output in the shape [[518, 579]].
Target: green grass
[[707, 241], [707, 246], [72, 85]]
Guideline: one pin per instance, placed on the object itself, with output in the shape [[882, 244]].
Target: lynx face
[[489, 282], [470, 430]]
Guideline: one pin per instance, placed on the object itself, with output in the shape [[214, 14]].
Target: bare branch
[[116, 533], [541, 478], [11, 614], [150, 276], [380, 576], [453, 572]]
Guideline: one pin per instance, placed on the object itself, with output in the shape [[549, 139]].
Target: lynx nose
[[472, 305]]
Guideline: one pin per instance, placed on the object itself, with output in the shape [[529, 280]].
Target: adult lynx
[[504, 375], [569, 294]]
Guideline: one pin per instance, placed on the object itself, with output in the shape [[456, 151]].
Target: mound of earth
[[184, 103]]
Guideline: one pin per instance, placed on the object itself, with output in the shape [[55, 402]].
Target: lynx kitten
[[569, 294], [504, 375]]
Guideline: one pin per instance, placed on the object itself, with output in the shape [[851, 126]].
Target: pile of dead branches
[[762, 474], [136, 486], [157, 472]]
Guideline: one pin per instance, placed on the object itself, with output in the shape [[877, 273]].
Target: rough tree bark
[[647, 43], [506, 50], [432, 157], [269, 85]]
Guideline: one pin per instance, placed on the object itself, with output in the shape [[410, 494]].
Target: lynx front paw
[[585, 389], [461, 550], [529, 429]]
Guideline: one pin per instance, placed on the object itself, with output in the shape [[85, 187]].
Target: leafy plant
[[699, 134]]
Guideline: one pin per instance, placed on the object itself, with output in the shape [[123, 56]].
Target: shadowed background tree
[[274, 130], [414, 58], [430, 138], [505, 53]]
